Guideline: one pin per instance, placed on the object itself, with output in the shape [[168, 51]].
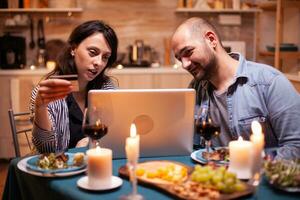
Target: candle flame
[[98, 148], [132, 130], [240, 138], [98, 122], [256, 128], [209, 120]]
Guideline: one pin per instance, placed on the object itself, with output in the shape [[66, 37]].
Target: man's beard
[[209, 69]]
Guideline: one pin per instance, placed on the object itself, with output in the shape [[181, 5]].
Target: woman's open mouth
[[92, 72]]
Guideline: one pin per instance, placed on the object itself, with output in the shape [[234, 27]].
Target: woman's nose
[[98, 60]]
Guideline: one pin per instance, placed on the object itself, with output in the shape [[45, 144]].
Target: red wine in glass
[[95, 131], [207, 130]]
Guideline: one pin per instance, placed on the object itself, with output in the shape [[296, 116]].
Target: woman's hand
[[51, 90], [83, 142]]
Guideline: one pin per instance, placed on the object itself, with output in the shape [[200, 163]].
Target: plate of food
[[65, 164], [212, 182], [185, 182], [283, 174], [159, 172], [162, 172], [219, 155]]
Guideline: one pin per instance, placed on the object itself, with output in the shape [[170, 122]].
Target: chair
[[20, 123]]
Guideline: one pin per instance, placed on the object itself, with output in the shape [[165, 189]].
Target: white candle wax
[[240, 156], [258, 141], [132, 146], [99, 166]]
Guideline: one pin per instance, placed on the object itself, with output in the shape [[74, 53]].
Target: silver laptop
[[164, 119]]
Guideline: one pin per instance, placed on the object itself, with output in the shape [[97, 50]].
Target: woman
[[58, 112]]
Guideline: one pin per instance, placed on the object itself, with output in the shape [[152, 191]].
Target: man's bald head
[[197, 27]]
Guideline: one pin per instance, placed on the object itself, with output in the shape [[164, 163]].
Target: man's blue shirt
[[260, 92]]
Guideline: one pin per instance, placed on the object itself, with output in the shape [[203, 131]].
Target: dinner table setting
[[243, 170]]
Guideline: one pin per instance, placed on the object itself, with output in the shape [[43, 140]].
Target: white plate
[[197, 156], [22, 165], [32, 165], [115, 182]]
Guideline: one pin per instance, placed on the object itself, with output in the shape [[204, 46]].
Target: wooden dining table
[[21, 185]]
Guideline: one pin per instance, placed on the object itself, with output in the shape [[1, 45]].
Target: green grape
[[210, 174], [202, 178], [198, 167], [220, 174], [194, 176], [207, 168], [220, 186], [216, 179], [221, 169], [229, 175], [239, 187], [195, 173], [228, 189], [229, 181], [220, 178]]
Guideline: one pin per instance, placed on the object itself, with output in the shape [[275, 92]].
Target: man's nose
[[185, 62]]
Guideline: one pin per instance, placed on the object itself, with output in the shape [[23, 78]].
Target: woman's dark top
[[75, 121]]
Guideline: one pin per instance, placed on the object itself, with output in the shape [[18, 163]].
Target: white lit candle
[[258, 141], [133, 145], [240, 156], [99, 166]]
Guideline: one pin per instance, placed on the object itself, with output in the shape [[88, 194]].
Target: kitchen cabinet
[[47, 13], [278, 6], [32, 10], [146, 78], [39, 10], [16, 86], [216, 11], [295, 80]]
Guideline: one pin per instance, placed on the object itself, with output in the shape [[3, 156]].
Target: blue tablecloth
[[20, 185]]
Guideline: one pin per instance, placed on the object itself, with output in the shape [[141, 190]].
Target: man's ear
[[211, 38]]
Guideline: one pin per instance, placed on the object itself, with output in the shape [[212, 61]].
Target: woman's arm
[[49, 130], [49, 91]]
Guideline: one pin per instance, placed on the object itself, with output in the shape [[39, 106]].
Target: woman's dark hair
[[66, 63]]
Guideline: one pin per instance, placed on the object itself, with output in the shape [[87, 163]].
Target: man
[[236, 91]]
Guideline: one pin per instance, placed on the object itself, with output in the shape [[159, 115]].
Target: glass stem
[[207, 144], [134, 185]]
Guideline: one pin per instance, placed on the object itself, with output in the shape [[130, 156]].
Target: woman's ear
[[73, 50], [211, 38]]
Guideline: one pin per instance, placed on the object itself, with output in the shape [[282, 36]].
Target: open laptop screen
[[164, 119]]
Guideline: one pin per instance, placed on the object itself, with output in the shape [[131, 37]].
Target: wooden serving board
[[169, 187]]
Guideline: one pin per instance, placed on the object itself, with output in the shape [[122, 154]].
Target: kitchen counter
[[23, 72], [295, 80], [293, 76], [158, 70], [133, 70]]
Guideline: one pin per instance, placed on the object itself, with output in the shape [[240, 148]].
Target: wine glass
[[206, 128], [93, 126]]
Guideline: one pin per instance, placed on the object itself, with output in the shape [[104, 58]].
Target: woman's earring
[[72, 53]]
